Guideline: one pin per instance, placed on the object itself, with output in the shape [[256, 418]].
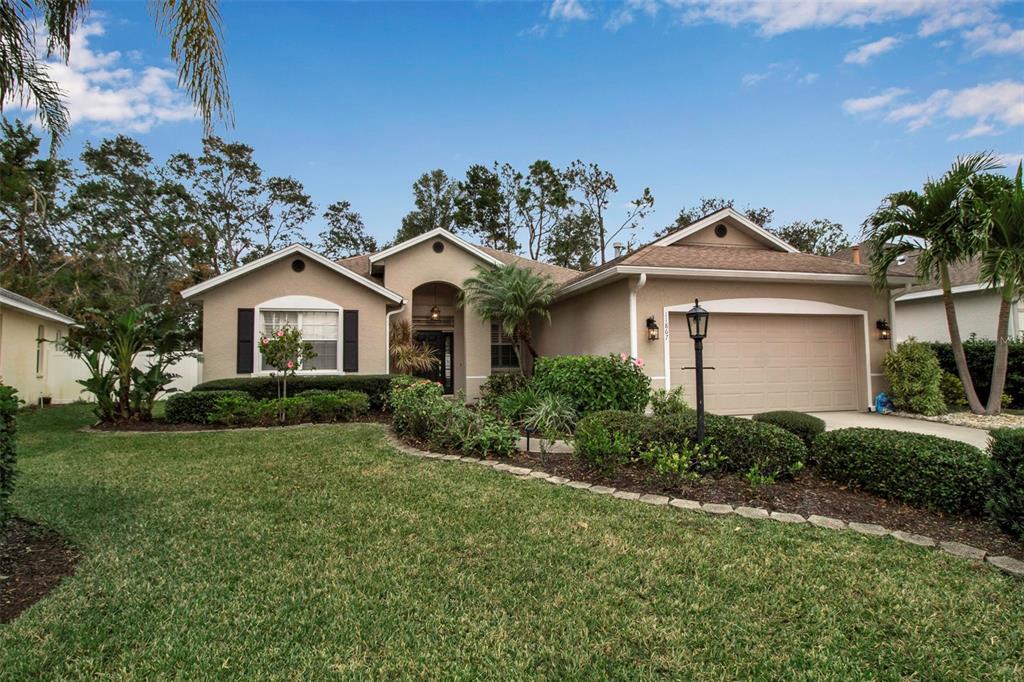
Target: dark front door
[[443, 344]]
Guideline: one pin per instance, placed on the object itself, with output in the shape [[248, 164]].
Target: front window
[[40, 339], [503, 349], [318, 327]]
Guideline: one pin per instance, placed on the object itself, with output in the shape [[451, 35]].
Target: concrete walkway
[[841, 420]]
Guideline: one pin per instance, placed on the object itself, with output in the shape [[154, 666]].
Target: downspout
[[387, 337], [892, 314], [633, 288]]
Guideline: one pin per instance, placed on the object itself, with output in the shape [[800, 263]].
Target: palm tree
[[938, 222], [193, 27], [1002, 266], [407, 354], [510, 296]]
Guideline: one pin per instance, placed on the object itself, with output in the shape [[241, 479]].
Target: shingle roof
[[966, 272], [28, 305]]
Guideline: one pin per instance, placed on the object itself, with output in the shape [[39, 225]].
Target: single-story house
[[921, 313], [29, 333], [787, 330]]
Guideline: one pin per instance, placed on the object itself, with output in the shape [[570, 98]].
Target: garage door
[[772, 362]]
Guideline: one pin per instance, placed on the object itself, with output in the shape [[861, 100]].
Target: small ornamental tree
[[286, 352]]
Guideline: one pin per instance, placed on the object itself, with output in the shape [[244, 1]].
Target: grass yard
[[320, 551]]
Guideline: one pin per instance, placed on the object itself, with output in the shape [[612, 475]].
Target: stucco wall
[[419, 264], [18, 334], [595, 322], [976, 313], [736, 236], [221, 304]]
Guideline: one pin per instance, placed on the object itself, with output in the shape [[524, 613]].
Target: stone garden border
[[1006, 564]]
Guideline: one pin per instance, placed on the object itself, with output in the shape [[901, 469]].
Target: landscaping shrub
[[1006, 499], [927, 471], [195, 407], [914, 378], [516, 405], [8, 449], [499, 385], [668, 403], [980, 354], [608, 438], [375, 386], [236, 408], [420, 410], [593, 383], [552, 416], [952, 391], [333, 406], [806, 427], [748, 446]]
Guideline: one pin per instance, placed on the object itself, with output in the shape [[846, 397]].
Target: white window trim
[[296, 304], [770, 306]]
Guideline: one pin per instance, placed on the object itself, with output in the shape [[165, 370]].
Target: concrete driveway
[[964, 434]]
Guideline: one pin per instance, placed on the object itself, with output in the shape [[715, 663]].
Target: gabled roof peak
[[712, 218]]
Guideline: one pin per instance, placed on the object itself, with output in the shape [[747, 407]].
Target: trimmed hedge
[[8, 449], [239, 409], [926, 471], [194, 407], [806, 427], [610, 438], [1006, 500], [915, 378], [980, 355], [594, 383], [375, 386]]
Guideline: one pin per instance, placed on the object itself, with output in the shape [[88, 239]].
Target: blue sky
[[814, 108]]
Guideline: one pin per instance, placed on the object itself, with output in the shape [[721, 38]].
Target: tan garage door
[[772, 362]]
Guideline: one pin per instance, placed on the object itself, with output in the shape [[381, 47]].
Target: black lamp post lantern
[[652, 329], [697, 321]]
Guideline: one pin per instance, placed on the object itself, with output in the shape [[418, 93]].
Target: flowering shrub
[[286, 352], [592, 383]]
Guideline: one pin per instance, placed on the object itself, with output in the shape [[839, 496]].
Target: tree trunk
[[527, 340], [957, 344], [995, 395]]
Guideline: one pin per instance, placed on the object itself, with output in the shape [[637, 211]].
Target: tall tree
[[484, 208], [192, 26], [30, 194], [574, 241], [596, 187], [345, 234], [434, 197], [1000, 206], [708, 205], [937, 221], [238, 213], [541, 197], [820, 236]]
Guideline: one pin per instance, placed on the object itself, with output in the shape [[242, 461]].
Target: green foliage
[[665, 404], [1006, 500], [375, 386], [748, 445], [194, 407], [286, 352], [516, 405], [806, 427], [552, 416], [927, 471], [820, 236], [980, 354], [914, 378], [421, 411], [8, 448], [595, 383], [608, 438], [332, 406], [501, 384], [683, 461], [434, 194], [952, 391], [346, 234], [239, 409]]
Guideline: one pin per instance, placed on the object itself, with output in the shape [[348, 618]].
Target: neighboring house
[[29, 333], [921, 313], [787, 330]]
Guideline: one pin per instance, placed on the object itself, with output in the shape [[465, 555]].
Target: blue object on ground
[[882, 403]]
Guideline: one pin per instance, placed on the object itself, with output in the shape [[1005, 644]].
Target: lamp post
[[697, 322]]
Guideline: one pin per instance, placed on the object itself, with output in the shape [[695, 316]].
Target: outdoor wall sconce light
[[652, 329], [884, 331]]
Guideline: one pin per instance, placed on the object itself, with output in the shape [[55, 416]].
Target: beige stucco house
[[29, 333], [787, 330]]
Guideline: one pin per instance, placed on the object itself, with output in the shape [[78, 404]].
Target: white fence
[[64, 371]]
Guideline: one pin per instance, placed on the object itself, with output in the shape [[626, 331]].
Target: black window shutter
[[246, 330], [350, 342]]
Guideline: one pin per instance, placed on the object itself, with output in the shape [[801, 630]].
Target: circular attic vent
[[438, 247], [298, 265], [721, 230]]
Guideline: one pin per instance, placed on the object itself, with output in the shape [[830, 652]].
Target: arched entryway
[[438, 322]]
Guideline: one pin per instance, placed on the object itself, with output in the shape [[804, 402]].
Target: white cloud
[[102, 92], [625, 14], [750, 79], [785, 71], [990, 108], [808, 79], [568, 10], [863, 105], [865, 53], [1010, 160], [995, 39]]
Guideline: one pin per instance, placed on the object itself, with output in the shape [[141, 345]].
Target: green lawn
[[320, 551]]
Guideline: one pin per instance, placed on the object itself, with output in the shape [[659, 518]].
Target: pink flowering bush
[[593, 383], [286, 352]]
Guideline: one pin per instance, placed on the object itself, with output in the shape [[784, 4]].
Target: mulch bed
[[808, 493], [33, 561]]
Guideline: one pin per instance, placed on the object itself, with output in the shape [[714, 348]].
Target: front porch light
[[652, 329], [884, 331], [435, 313], [697, 321]]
